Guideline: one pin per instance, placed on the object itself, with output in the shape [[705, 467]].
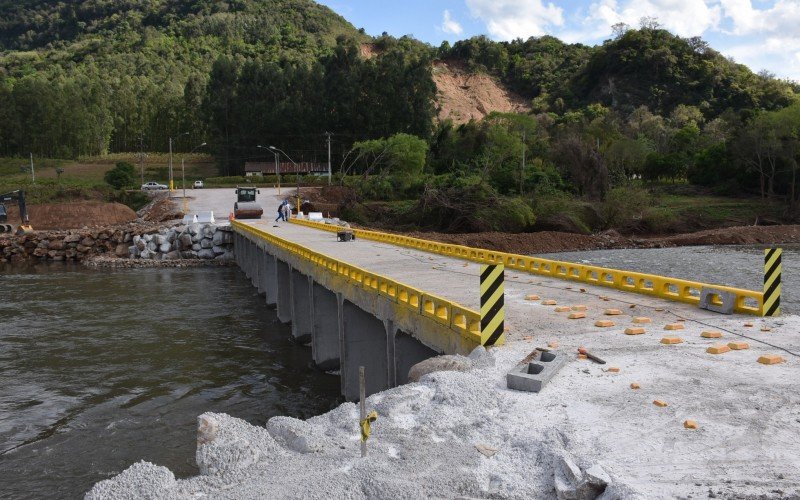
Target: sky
[[763, 34]]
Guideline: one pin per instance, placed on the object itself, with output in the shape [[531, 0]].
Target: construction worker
[[282, 211], [287, 210]]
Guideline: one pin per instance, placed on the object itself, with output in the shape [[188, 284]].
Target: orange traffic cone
[[231, 217]]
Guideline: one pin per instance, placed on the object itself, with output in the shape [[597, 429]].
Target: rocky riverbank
[[140, 241]]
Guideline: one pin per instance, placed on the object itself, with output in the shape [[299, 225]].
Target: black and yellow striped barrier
[[493, 313], [772, 281]]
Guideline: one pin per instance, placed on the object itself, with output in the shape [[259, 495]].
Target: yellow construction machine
[[25, 224]]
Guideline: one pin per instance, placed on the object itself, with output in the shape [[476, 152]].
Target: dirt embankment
[[463, 96], [75, 215], [553, 241]]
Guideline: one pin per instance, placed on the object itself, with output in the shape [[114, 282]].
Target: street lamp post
[[277, 168], [183, 175], [296, 169]]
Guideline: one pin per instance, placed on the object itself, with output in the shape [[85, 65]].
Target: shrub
[[121, 176]]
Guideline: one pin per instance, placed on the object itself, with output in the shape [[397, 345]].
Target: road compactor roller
[[246, 206]]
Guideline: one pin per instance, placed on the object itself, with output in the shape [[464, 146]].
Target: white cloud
[[509, 19], [683, 17], [450, 25]]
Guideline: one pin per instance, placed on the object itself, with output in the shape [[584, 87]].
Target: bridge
[[387, 301]]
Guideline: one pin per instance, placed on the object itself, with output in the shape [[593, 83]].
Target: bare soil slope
[[75, 215], [463, 96]]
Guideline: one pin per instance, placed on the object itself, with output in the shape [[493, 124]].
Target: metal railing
[[680, 290], [461, 320]]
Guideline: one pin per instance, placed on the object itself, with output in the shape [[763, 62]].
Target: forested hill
[[638, 67], [132, 68], [93, 76]]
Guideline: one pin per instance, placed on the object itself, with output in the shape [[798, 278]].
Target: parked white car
[[198, 184], [150, 186]]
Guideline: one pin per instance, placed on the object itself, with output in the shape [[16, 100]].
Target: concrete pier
[[363, 343], [301, 306], [283, 276], [325, 327]]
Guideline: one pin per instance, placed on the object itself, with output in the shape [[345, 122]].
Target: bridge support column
[[270, 278], [325, 327], [260, 271], [284, 302], [364, 343], [301, 306], [408, 351]]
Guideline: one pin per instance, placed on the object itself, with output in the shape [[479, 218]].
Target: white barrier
[[189, 219], [205, 218]]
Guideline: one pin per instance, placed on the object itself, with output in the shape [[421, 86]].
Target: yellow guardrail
[[746, 301], [461, 320]]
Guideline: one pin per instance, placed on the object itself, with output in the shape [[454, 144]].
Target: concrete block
[[613, 312], [579, 308], [561, 309], [635, 386], [674, 326], [671, 340], [634, 331], [660, 403], [739, 346], [711, 335], [532, 297], [613, 369], [549, 302], [533, 376], [766, 329], [716, 300], [577, 315], [690, 424], [641, 320], [718, 349], [748, 325], [770, 359], [603, 323], [552, 345], [582, 357]]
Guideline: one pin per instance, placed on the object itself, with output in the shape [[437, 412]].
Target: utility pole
[[328, 136], [171, 184], [522, 171], [141, 157], [33, 174]]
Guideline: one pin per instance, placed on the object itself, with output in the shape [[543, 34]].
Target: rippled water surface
[[99, 369], [737, 266]]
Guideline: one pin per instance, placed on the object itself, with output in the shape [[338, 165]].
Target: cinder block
[[690, 424], [718, 349], [770, 359], [549, 302], [739, 346], [725, 304], [674, 326], [635, 386], [577, 315], [660, 403], [579, 307], [533, 376], [561, 309], [612, 312], [641, 320], [634, 331], [671, 340], [766, 329], [553, 345], [613, 369], [604, 323], [532, 297], [711, 335], [748, 325]]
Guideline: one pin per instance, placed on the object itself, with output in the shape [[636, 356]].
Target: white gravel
[[424, 442]]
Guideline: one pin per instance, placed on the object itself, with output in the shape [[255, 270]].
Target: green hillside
[[115, 71]]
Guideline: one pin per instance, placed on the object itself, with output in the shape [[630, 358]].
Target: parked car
[[198, 184], [150, 186]]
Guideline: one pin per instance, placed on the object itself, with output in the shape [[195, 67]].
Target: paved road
[[221, 201]]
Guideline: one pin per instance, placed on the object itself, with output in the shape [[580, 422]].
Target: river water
[[100, 369], [736, 266]]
